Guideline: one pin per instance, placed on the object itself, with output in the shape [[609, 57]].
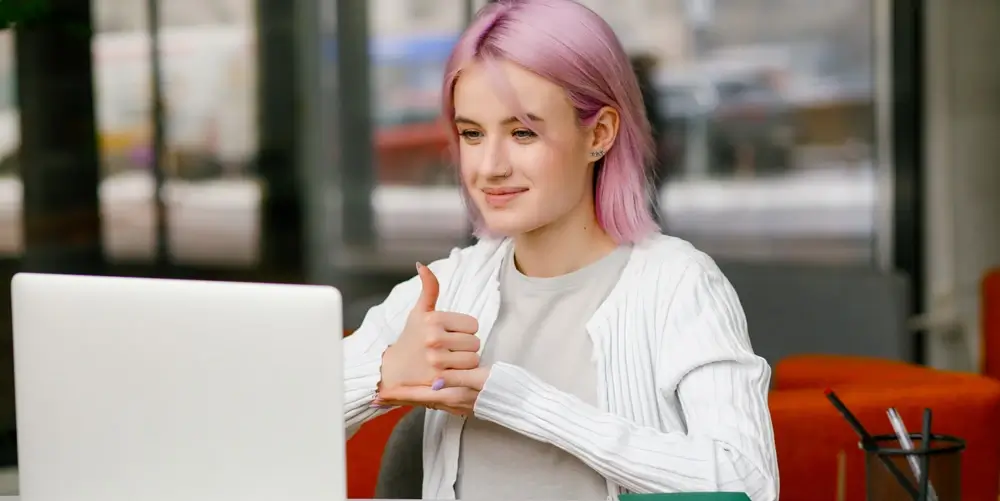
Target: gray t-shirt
[[541, 327]]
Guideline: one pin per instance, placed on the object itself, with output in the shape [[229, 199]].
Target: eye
[[471, 135], [524, 134]]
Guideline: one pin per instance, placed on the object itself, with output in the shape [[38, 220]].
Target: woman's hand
[[458, 396], [432, 343]]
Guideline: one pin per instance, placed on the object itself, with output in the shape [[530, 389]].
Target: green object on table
[[687, 496]]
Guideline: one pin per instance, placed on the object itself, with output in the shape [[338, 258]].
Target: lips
[[503, 191], [500, 197]]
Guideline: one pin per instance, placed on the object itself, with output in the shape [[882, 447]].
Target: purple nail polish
[[438, 384]]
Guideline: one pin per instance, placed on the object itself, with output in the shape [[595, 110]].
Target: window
[[421, 10]]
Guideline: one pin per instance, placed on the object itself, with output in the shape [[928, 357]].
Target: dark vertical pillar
[[278, 159], [357, 152], [59, 162], [907, 25], [316, 32], [162, 249]]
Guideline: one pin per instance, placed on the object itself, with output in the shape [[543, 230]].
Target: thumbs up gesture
[[436, 349]]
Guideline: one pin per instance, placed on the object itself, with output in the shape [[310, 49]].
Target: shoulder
[[663, 262], [681, 281]]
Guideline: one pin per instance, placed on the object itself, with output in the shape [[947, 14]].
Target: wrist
[[378, 386]]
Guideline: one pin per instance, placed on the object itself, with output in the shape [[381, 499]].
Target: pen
[[904, 440], [869, 444], [925, 480]]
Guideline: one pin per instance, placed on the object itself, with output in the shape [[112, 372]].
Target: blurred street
[[218, 222]]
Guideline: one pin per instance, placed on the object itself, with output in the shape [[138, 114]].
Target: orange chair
[[809, 433], [364, 451], [364, 454]]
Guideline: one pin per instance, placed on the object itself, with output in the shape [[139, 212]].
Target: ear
[[603, 133]]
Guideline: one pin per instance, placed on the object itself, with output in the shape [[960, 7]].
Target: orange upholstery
[[809, 433], [364, 454], [990, 311], [821, 371]]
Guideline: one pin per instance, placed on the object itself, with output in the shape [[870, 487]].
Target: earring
[[597, 154]]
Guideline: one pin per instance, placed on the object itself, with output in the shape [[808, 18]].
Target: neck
[[563, 246]]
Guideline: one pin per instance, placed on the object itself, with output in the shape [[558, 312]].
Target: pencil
[[925, 477], [870, 446], [841, 476]]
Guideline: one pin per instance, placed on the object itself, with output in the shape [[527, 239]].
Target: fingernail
[[438, 384], [419, 266]]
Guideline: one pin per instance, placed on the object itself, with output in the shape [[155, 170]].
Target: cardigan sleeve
[[706, 362]]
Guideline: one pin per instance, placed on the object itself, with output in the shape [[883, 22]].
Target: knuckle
[[434, 339], [434, 359]]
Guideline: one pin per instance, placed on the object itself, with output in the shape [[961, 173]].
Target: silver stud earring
[[597, 154]]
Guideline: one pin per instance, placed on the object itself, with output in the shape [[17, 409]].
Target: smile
[[500, 197]]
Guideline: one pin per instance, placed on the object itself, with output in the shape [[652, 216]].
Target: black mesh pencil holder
[[939, 465]]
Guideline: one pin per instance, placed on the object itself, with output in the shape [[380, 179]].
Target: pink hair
[[571, 46]]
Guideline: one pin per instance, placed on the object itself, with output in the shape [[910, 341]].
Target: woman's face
[[521, 179]]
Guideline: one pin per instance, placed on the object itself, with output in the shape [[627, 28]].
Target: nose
[[495, 163]]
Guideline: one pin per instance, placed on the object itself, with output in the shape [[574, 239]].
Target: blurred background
[[837, 158]]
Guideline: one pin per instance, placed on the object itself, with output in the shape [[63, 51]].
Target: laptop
[[170, 390]]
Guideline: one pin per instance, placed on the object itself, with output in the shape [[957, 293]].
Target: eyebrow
[[506, 121]]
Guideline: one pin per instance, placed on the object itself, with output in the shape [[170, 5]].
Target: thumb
[[429, 288], [410, 394]]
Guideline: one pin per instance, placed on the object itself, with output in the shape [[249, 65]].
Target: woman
[[573, 352]]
